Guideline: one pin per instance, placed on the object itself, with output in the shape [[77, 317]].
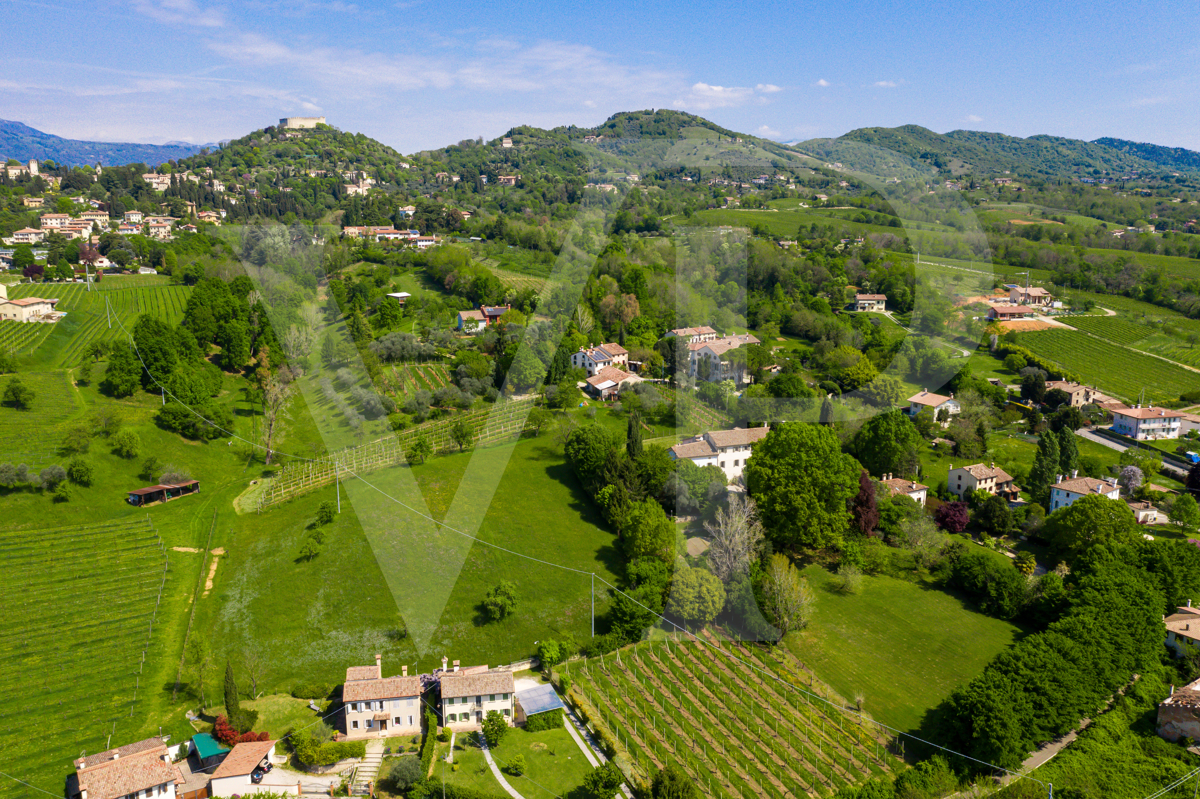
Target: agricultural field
[[88, 315], [740, 718], [75, 636], [1112, 328], [406, 379], [1113, 369], [22, 338], [32, 437]]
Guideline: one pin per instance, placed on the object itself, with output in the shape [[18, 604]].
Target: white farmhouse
[[897, 486], [1147, 424], [378, 706], [935, 402], [1064, 492], [728, 450], [470, 694], [715, 354], [593, 359], [982, 477], [870, 302], [138, 769]]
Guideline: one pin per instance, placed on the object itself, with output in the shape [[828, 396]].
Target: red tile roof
[[455, 684], [126, 770], [243, 759], [386, 688]]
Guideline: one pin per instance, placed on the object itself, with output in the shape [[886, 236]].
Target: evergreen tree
[[826, 411], [633, 436], [232, 706], [1068, 452], [863, 507], [1045, 469]]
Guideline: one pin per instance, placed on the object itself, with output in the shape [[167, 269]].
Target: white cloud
[[767, 88], [974, 118], [179, 12], [886, 84], [822, 83], [1142, 102], [767, 132]]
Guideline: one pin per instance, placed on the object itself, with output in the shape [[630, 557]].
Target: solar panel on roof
[[539, 699]]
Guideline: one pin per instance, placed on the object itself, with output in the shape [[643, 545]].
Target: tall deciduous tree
[[697, 596], [788, 599], [1088, 522], [802, 481], [864, 508], [888, 444]]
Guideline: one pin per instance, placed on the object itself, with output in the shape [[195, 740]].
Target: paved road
[[1167, 466]]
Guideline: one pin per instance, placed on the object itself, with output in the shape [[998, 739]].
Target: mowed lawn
[[554, 764], [904, 646]]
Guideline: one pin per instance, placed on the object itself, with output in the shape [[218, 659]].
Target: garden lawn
[[555, 766], [904, 646], [277, 713]]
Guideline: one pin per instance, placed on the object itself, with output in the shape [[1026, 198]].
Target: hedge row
[[551, 720], [436, 790], [430, 742], [1052, 369]]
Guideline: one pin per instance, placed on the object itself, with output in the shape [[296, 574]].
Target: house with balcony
[[982, 477], [375, 706], [468, 695], [870, 302], [693, 334], [1080, 394], [1034, 295], [1147, 424]]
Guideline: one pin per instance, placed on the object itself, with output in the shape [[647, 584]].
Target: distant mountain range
[[18, 140]]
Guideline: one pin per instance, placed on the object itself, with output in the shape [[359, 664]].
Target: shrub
[[62, 493], [80, 472], [444, 734], [550, 720], [77, 441], [495, 727], [405, 772], [126, 444], [516, 766], [311, 690], [51, 476], [326, 511], [501, 600]]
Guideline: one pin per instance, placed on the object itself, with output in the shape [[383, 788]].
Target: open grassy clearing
[[903, 645], [1113, 369], [735, 733], [32, 437]]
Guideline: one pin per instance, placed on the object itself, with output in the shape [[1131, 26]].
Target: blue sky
[[420, 74]]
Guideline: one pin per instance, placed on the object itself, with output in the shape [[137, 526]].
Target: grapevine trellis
[[77, 636], [492, 425], [736, 732]]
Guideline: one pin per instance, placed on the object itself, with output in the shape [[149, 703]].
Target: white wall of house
[[1149, 429], [465, 712], [404, 717]]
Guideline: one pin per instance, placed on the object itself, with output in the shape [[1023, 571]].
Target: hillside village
[[786, 481]]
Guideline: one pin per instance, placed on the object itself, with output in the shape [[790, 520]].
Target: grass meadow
[[903, 645]]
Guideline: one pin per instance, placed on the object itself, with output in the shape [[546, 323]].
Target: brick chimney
[[379, 663], [404, 671], [456, 665]]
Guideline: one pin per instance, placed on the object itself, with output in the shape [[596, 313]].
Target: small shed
[[400, 296], [162, 493], [208, 751], [537, 700]]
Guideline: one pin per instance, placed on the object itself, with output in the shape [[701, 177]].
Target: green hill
[[963, 151], [1175, 158]]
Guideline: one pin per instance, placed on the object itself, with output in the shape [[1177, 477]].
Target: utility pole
[[593, 604]]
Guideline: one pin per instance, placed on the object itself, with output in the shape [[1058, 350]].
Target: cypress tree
[[826, 411], [1068, 452], [1045, 468], [232, 707], [633, 436]]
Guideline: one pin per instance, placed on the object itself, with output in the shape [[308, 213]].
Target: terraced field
[[22, 338], [1113, 369], [407, 379], [74, 641], [729, 714]]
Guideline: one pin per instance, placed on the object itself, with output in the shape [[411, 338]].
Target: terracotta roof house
[[1064, 493], [128, 770], [714, 353], [27, 309], [1035, 295], [1143, 511], [28, 235], [982, 477], [1179, 713], [897, 486], [726, 449], [1147, 424], [594, 359], [471, 321], [607, 382], [1003, 312], [935, 402], [378, 706], [1080, 394], [468, 695], [693, 334], [870, 302]]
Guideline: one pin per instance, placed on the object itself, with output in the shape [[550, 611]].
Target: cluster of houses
[[85, 224], [373, 706], [389, 233]]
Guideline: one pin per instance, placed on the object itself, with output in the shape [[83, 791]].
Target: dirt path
[[212, 571], [184, 549]]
